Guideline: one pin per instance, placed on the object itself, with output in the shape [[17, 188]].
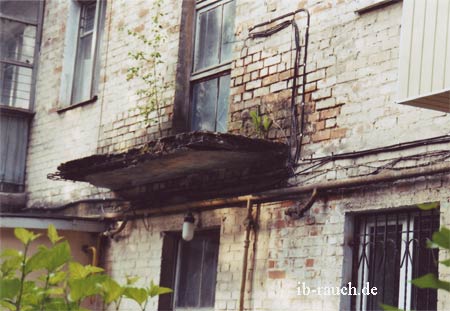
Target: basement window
[[390, 249], [190, 268]]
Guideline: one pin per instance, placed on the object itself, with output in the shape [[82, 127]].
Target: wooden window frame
[[186, 77], [170, 265]]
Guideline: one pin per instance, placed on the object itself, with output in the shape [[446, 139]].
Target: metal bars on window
[[390, 250]]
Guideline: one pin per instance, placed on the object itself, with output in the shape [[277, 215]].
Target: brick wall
[[350, 93], [288, 251]]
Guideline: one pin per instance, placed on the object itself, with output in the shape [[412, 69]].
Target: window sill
[[375, 6], [9, 110], [80, 104]]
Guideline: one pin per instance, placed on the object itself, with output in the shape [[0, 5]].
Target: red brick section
[[277, 274], [309, 263]]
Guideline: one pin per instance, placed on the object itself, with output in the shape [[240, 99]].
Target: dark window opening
[[190, 269]]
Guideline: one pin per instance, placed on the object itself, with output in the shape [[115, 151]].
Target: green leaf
[[9, 252], [10, 266], [57, 277], [57, 291], [428, 206], [78, 271], [132, 279], [431, 281], [94, 269], [25, 236], [137, 294], [58, 304], [445, 262], [53, 234], [86, 287], [155, 290], [49, 259], [7, 305], [442, 238], [111, 290], [389, 308], [9, 288], [267, 123]]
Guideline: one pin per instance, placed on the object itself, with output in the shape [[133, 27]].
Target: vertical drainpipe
[[249, 223]]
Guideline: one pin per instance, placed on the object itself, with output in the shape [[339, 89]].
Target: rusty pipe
[[249, 223], [297, 212]]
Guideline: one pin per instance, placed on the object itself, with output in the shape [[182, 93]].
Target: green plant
[[147, 68], [261, 124], [439, 240], [61, 283]]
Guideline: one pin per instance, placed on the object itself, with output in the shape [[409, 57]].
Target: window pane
[[207, 38], [384, 261], [88, 18], [228, 31], [222, 105], [204, 105], [17, 41], [13, 139], [23, 9], [211, 250], [189, 273], [15, 85], [83, 71]]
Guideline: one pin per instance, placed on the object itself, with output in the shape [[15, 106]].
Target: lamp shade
[[188, 227]]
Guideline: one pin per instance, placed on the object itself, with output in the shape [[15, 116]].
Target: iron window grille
[[390, 250], [210, 76]]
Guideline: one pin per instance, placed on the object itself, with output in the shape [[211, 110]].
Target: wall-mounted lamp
[[188, 227]]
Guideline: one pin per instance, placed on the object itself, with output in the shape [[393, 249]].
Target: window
[[190, 268], [81, 57], [20, 27], [390, 251], [18, 35], [210, 77]]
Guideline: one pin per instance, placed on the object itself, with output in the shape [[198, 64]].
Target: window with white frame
[[390, 250], [190, 268], [210, 77], [81, 58]]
